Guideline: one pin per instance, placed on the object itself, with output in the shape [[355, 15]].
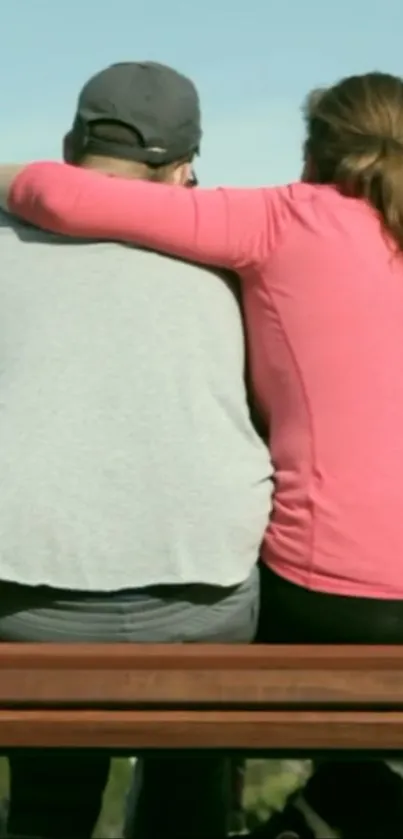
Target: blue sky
[[252, 62]]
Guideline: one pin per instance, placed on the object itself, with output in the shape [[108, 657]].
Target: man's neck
[[113, 168]]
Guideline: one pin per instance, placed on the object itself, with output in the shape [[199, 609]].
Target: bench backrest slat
[[252, 731], [163, 697], [192, 676]]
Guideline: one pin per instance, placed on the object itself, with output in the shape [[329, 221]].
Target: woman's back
[[326, 336]]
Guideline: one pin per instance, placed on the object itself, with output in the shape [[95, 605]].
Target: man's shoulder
[[123, 258], [17, 230], [8, 223], [174, 265]]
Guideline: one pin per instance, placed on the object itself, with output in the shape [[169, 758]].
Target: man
[[135, 489]]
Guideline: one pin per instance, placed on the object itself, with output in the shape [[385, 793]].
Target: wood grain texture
[[136, 730], [218, 676], [176, 697], [198, 656]]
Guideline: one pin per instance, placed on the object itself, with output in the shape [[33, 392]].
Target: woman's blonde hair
[[355, 141]]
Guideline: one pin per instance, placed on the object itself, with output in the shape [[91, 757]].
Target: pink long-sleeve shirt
[[323, 299]]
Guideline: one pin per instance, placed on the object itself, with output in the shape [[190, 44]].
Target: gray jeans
[[59, 795]]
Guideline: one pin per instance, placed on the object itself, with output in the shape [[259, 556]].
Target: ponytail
[[355, 141]]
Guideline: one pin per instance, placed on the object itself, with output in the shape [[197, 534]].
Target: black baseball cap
[[160, 106]]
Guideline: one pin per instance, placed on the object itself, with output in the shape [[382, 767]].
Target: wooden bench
[[178, 697]]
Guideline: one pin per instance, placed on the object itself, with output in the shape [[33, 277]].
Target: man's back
[[126, 450]]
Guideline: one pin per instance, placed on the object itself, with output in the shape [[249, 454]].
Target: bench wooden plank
[[227, 688], [173, 675], [200, 656], [137, 730], [107, 696]]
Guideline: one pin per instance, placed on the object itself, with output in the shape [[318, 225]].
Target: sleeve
[[231, 228]]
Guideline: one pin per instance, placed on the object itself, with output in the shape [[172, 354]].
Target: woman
[[322, 275]]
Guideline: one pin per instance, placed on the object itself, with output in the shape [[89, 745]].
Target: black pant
[[290, 614], [58, 795], [66, 797], [293, 615]]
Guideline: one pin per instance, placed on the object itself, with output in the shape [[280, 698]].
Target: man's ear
[[181, 174]]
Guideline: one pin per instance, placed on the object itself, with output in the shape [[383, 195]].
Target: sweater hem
[[314, 581]]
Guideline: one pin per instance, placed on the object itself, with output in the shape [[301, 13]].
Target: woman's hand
[[7, 174]]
